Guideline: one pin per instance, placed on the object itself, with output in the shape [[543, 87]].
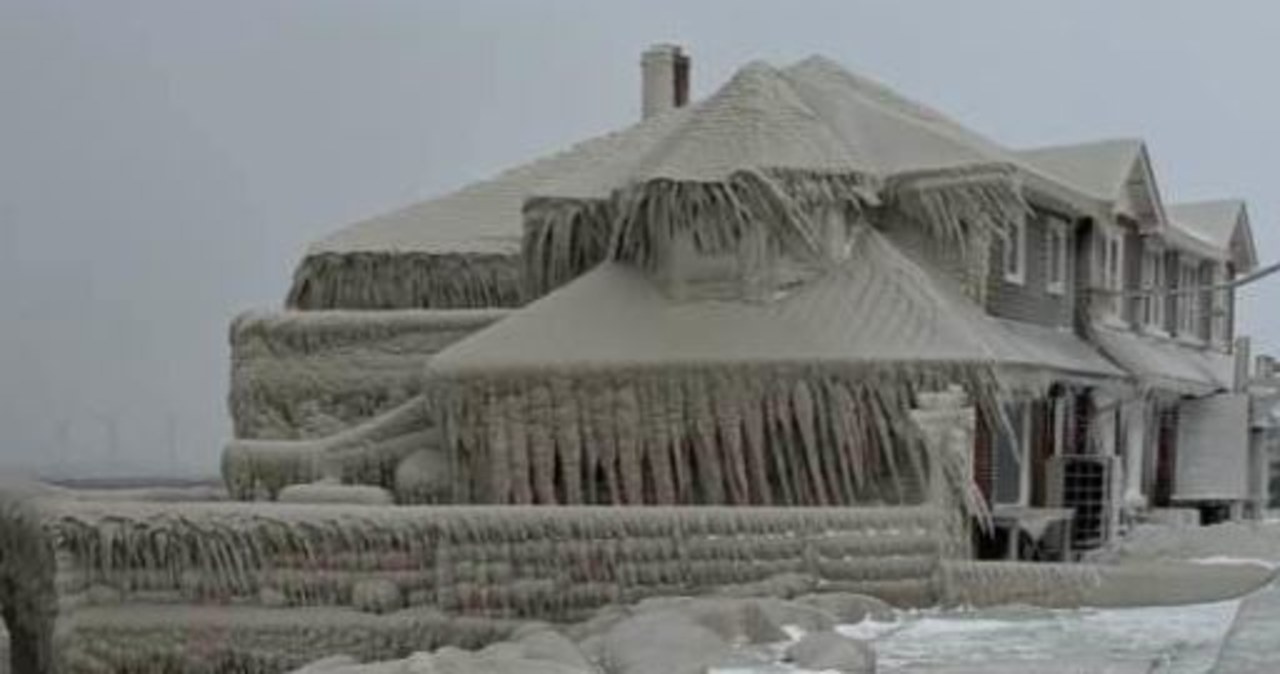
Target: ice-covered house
[[1145, 271], [953, 208], [1055, 237]]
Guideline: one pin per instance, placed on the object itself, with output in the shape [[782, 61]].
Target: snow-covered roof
[[485, 217], [1164, 364], [811, 115], [1100, 168], [877, 308], [1220, 224], [1115, 171]]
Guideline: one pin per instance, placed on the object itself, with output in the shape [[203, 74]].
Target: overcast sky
[[164, 163]]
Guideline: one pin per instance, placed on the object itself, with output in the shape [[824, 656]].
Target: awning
[[1163, 364], [1059, 353]]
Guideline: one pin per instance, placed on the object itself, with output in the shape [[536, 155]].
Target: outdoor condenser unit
[[1083, 482]]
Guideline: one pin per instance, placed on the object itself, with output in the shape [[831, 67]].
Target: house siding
[[922, 248], [1031, 301]]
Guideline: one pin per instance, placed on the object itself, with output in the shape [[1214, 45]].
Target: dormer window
[[1015, 252]]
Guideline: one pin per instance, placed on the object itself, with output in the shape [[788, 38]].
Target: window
[[1013, 457], [1110, 254], [1015, 252], [1220, 302], [1152, 303], [1204, 302], [1188, 300], [1056, 257]]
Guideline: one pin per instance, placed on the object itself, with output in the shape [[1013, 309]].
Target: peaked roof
[[1100, 168], [877, 308], [811, 115], [1221, 224], [1115, 171]]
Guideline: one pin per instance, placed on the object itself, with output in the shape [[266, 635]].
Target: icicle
[[500, 477], [658, 443], [802, 409], [627, 417], [725, 401], [405, 280], [609, 454], [678, 433], [591, 402], [568, 437], [710, 474], [540, 414], [515, 423], [780, 443], [849, 438], [752, 410]]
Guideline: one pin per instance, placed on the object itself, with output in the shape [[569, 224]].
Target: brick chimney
[[664, 70]]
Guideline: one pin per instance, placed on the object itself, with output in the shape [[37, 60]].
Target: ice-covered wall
[[298, 374], [260, 587]]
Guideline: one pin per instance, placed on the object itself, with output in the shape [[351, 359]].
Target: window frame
[[1188, 299], [1110, 258], [1016, 254], [1154, 285], [1056, 257]]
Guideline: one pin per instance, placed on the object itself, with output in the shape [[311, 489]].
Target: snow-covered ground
[[1181, 639], [1164, 640]]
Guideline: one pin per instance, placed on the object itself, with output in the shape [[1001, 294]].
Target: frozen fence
[[104, 576]]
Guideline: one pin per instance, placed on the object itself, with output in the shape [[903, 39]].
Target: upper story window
[[1056, 257], [1220, 308], [1152, 302], [1188, 302], [1014, 263], [1110, 257]]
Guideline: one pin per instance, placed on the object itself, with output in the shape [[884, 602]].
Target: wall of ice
[[148, 587]]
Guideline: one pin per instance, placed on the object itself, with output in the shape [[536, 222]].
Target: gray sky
[[163, 163]]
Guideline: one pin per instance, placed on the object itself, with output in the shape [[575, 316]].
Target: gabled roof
[[1116, 171], [1100, 168], [1222, 225], [814, 114]]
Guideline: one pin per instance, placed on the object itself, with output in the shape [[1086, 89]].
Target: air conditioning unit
[[1082, 482]]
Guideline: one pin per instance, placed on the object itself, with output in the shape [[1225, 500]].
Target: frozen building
[[804, 293]]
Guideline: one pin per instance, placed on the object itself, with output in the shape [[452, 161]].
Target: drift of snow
[[1181, 639], [1232, 560]]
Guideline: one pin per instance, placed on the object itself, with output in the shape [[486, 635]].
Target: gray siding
[[926, 250], [1030, 301]]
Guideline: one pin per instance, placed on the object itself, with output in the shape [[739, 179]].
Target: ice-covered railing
[[310, 374], [237, 583], [369, 454]]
